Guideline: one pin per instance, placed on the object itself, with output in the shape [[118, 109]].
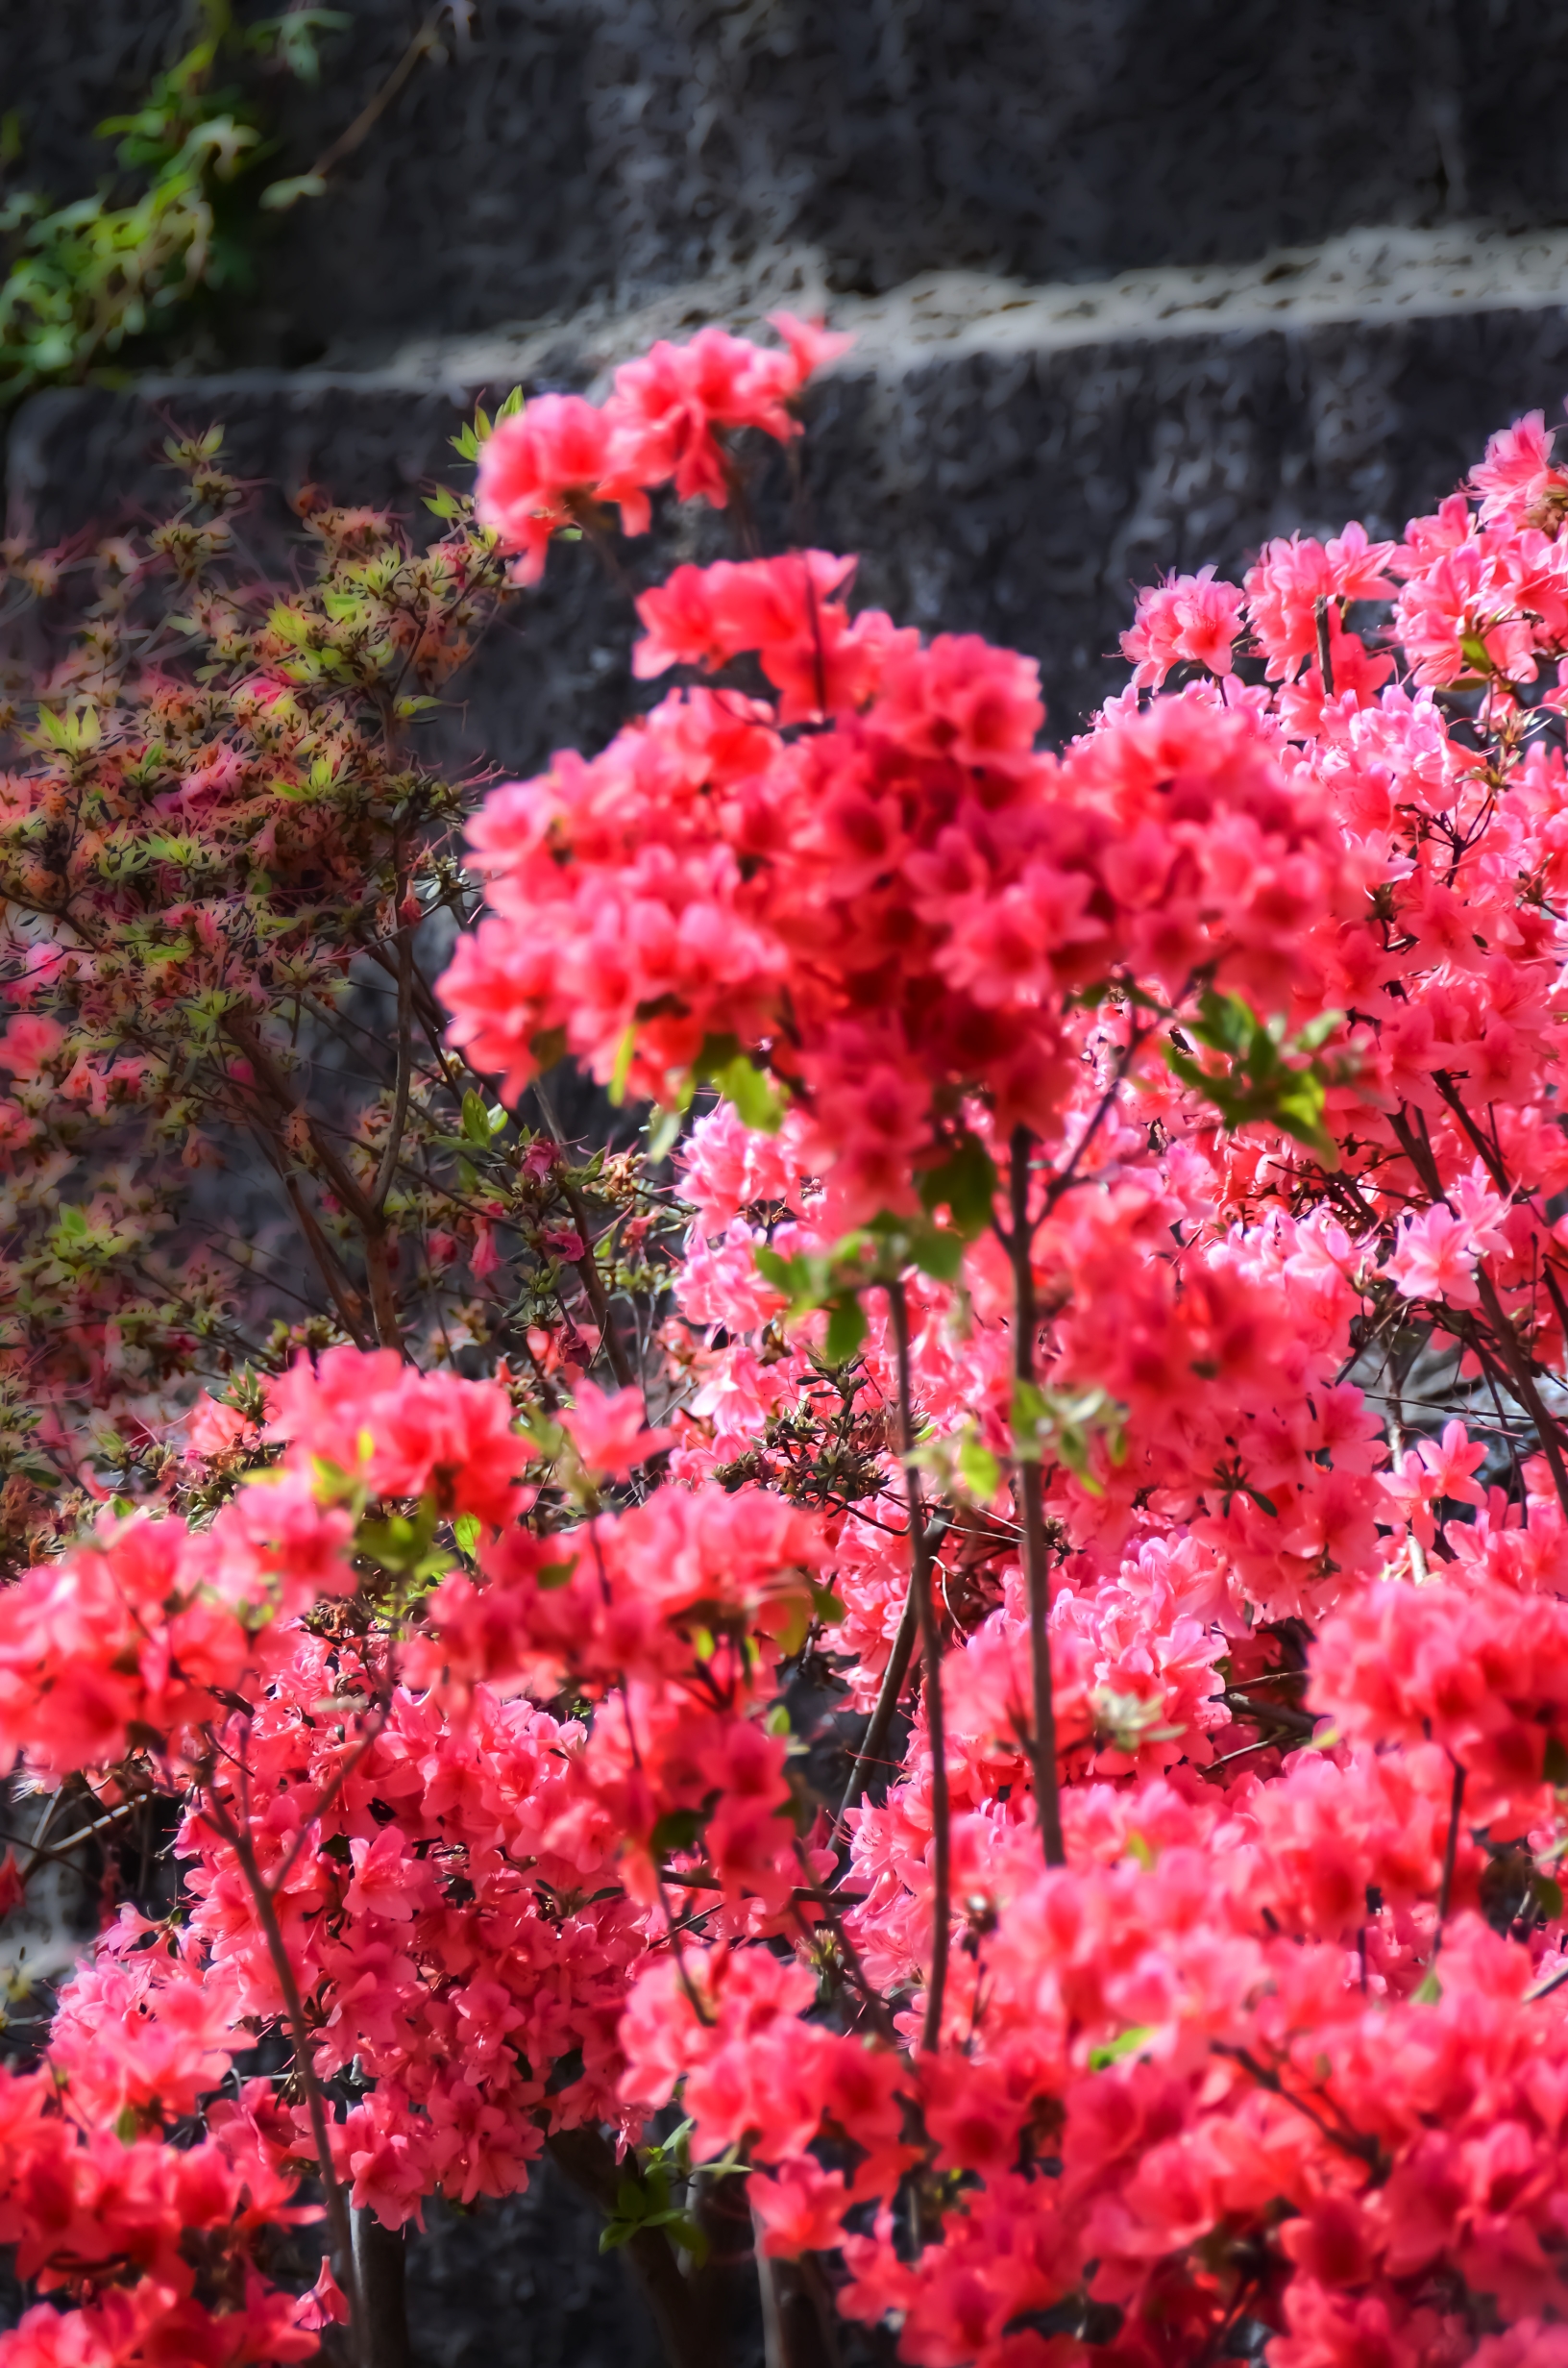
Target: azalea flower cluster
[[564, 462], [1028, 1707]]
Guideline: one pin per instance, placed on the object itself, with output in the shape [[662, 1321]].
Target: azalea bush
[[962, 1656]]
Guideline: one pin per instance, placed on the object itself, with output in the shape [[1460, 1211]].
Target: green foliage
[[877, 1253], [91, 278], [1269, 1078], [241, 938], [758, 1099], [478, 431], [1126, 2043], [964, 1184], [1061, 1425], [646, 2201]]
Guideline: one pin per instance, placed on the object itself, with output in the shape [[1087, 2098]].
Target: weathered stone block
[[1020, 493]]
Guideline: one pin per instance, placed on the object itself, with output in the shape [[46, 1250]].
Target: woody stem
[[925, 1613], [1032, 1514]]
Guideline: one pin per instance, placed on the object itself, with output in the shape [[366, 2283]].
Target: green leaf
[[475, 1120], [1030, 1420], [405, 1545], [845, 1331], [1126, 2043], [782, 1272], [280, 195], [1269, 1081], [465, 1529], [966, 1185], [979, 1470], [689, 2237], [1428, 1991], [1548, 1898], [1554, 1766], [551, 1575], [1066, 1423], [676, 1830], [936, 1254], [624, 1052], [756, 1103], [664, 1133]]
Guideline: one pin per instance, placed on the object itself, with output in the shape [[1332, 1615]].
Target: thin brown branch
[[380, 2266], [1325, 662], [369, 116], [925, 1612], [344, 1296], [278, 1089], [875, 2005], [1352, 2142], [405, 1061], [1504, 1338], [588, 2161], [329, 1796], [1031, 1505], [384, 1298], [587, 1271], [337, 2211], [873, 1742], [1450, 1852]]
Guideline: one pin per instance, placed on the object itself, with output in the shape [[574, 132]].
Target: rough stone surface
[[1022, 495], [576, 149], [523, 2285]]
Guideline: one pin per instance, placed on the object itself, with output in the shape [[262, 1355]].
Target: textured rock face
[[1020, 494], [523, 2285], [578, 149], [1012, 460]]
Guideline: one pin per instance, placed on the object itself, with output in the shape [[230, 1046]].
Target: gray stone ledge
[[1375, 275], [997, 472]]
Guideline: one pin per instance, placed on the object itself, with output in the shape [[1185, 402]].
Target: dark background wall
[[575, 160], [575, 149]]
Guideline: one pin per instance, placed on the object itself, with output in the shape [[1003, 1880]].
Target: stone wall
[[1020, 490], [577, 151]]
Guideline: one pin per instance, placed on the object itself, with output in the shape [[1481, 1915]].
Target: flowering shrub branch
[[1019, 1710]]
